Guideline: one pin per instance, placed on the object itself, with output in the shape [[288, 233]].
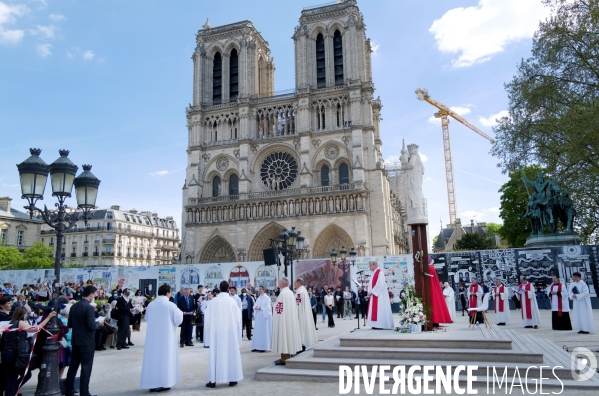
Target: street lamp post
[[288, 243], [33, 173]]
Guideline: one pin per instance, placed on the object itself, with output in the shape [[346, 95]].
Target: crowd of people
[[284, 321]]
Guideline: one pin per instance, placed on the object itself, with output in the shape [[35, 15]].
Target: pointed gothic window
[[217, 77], [343, 174], [233, 185], [321, 79], [324, 176], [233, 75], [338, 57], [216, 186]]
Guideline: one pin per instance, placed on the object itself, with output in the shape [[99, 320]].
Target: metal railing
[[111, 241]]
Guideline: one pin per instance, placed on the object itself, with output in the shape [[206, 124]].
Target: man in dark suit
[[187, 304], [362, 307], [124, 308], [83, 322], [247, 310]]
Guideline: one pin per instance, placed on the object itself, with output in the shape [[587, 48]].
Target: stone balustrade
[[343, 201]]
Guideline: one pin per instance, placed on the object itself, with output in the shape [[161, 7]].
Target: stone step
[[424, 343], [283, 373], [427, 355], [332, 364]]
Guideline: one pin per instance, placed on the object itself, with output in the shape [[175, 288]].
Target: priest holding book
[[502, 303], [583, 312]]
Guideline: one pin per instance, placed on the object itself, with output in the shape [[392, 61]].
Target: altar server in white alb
[[583, 312], [285, 335], [502, 303], [530, 310], [449, 295], [560, 305], [262, 323], [304, 315], [379, 307], [204, 309], [222, 323], [160, 367]]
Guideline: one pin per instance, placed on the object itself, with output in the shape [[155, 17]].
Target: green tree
[[37, 256], [493, 229], [73, 265], [10, 257], [474, 241], [554, 108], [514, 202]]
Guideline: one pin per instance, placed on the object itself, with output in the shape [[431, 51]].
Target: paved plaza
[[118, 372]]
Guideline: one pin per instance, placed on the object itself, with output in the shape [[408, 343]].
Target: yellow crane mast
[[444, 113]]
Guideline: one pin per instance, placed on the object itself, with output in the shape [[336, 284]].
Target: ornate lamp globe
[[34, 173], [299, 244], [86, 188], [352, 255], [283, 236], [343, 253], [62, 173], [333, 256], [292, 236]]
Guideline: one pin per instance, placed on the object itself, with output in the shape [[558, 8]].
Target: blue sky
[[110, 80]]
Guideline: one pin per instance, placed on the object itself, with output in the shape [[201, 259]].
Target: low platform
[[505, 350]]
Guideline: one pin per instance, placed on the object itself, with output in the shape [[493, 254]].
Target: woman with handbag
[[16, 352]]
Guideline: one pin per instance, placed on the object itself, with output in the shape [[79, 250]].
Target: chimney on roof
[[115, 207], [134, 211], [5, 203]]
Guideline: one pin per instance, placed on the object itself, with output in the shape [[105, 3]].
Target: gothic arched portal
[[262, 241], [332, 237], [217, 250]]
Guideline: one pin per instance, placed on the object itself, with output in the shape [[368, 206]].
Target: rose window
[[278, 171]]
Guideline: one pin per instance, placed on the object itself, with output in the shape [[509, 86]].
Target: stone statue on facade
[[548, 205], [414, 170]]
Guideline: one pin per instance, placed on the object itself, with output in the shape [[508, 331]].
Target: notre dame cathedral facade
[[260, 161]]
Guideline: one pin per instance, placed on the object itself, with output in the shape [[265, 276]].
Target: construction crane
[[444, 113]]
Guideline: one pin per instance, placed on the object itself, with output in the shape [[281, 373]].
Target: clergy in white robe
[[222, 323], [583, 311], [502, 303], [233, 294], [379, 305], [286, 337], [560, 305], [204, 308], [304, 315], [475, 300], [449, 295], [160, 367], [262, 323], [531, 318]]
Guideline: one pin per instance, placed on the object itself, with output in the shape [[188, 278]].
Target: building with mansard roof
[[261, 161], [118, 237]]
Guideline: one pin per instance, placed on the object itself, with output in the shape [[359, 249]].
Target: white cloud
[[48, 32], [423, 157], [159, 173], [492, 120], [88, 55], [43, 50], [392, 158], [374, 47], [476, 33], [57, 17], [460, 110], [490, 214], [8, 14], [11, 185]]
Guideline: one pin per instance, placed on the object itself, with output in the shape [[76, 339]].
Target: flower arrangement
[[412, 309]]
